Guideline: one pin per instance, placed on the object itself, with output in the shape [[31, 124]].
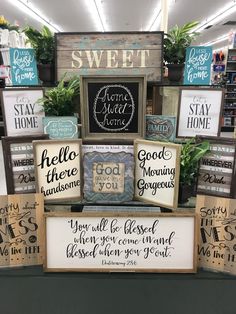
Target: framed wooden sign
[[217, 169], [57, 169], [19, 163], [108, 177], [113, 107], [126, 53], [217, 244], [21, 113], [138, 242], [21, 218], [61, 127], [199, 112], [160, 128], [157, 172]]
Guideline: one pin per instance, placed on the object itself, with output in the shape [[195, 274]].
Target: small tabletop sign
[[23, 67], [160, 128], [197, 69], [216, 246], [142, 242], [21, 218], [199, 112], [157, 172], [61, 127]]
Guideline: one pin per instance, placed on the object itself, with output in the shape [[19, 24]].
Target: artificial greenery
[[43, 42], [4, 24], [176, 42], [191, 153], [60, 100]]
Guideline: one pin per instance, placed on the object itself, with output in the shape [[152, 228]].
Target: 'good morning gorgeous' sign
[[157, 172]]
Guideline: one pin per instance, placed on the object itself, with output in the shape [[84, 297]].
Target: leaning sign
[[109, 54]]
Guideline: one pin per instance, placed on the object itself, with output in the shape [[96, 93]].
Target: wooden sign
[[160, 128], [217, 169], [21, 230], [217, 244], [21, 113], [57, 169], [157, 172], [121, 54], [199, 112], [140, 242], [61, 127], [19, 163], [113, 107], [197, 70], [23, 67], [108, 177]]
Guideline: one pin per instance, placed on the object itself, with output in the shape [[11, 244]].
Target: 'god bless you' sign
[[57, 169], [21, 230], [110, 242], [217, 242], [157, 172], [199, 112]]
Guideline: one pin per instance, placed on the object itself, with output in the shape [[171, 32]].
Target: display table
[[31, 291]]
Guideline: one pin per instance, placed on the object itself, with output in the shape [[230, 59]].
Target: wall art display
[[57, 169], [21, 241], [23, 67], [19, 163], [157, 172], [199, 112], [113, 107], [21, 113], [197, 70], [217, 245], [60, 127], [160, 128], [108, 177], [150, 242], [125, 53]]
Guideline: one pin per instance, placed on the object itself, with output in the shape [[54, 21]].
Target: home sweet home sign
[[110, 54]]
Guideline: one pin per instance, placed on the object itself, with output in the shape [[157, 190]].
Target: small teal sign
[[160, 128], [60, 127], [197, 69], [23, 67]]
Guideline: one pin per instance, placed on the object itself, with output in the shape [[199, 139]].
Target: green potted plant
[[44, 44], [191, 153], [60, 105], [175, 43]]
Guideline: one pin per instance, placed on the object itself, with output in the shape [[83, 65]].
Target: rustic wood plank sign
[[160, 128], [157, 172], [113, 107], [109, 242], [216, 246], [199, 112], [21, 218], [57, 169], [217, 169], [21, 113], [19, 163], [122, 54]]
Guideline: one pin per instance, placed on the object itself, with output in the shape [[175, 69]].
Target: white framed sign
[[199, 112], [21, 113], [57, 169], [142, 242], [157, 172]]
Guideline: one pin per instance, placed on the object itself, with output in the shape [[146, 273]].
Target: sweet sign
[[197, 69], [20, 229], [125, 242], [157, 172], [199, 112], [217, 245]]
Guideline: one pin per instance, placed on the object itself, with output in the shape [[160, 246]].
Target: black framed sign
[[19, 163], [113, 107], [217, 169]]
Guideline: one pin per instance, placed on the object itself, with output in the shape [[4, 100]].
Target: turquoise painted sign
[[160, 128], [23, 67], [197, 69], [60, 127]]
